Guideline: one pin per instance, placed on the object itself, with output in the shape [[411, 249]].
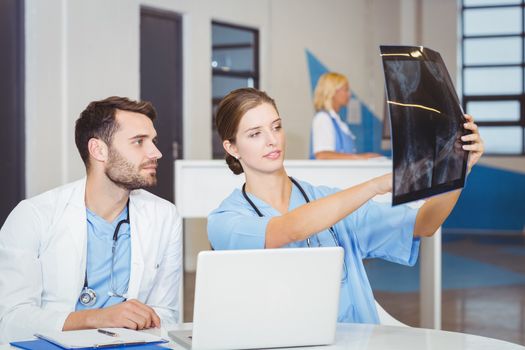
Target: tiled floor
[[492, 304], [496, 312], [483, 287]]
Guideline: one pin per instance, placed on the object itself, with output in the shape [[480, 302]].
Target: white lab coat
[[43, 246]]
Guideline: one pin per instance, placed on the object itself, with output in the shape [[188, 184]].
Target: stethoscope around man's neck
[[305, 196], [88, 296]]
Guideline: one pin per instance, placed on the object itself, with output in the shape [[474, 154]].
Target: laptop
[[246, 299]]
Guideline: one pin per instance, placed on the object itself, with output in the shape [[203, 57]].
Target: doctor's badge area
[[88, 296]]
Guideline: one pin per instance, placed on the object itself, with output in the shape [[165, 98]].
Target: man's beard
[[123, 174]]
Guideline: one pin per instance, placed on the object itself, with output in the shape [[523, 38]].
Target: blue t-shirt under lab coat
[[99, 259], [375, 230]]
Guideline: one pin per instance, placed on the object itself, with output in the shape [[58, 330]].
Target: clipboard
[[93, 339], [40, 344]]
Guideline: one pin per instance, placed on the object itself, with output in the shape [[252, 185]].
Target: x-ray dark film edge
[[426, 124]]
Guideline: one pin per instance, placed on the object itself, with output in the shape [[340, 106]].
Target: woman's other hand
[[476, 147]]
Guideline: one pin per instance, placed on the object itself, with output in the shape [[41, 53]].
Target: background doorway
[[161, 83], [12, 133]]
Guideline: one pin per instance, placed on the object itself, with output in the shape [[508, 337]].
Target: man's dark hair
[[98, 121]]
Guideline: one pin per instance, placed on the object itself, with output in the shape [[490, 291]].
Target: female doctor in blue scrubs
[[273, 210]]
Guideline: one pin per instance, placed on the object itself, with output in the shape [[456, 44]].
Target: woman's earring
[[237, 157]]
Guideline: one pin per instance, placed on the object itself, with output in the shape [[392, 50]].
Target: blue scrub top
[[99, 255], [375, 230]]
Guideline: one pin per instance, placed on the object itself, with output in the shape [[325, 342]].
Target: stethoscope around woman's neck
[[305, 196]]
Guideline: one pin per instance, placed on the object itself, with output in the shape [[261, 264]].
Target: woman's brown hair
[[229, 114]]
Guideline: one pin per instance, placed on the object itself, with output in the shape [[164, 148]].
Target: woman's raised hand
[[476, 147]]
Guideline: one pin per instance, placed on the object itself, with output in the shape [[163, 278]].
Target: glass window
[[492, 71], [502, 140], [224, 34], [482, 51], [491, 21], [232, 48], [490, 2], [234, 64], [492, 81], [222, 85], [239, 59], [488, 111]]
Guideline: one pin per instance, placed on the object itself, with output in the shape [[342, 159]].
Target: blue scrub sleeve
[[386, 232], [234, 230]]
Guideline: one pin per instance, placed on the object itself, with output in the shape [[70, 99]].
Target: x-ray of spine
[[426, 124]]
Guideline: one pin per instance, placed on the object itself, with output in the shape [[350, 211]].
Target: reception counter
[[200, 185]]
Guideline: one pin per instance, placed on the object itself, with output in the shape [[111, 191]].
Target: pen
[[111, 334]]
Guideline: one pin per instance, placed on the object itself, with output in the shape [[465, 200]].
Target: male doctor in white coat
[[98, 252]]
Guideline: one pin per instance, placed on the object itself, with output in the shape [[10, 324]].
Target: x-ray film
[[426, 122]]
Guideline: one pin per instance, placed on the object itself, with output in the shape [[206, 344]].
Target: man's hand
[[130, 314]]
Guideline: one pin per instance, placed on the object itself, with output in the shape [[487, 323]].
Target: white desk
[[201, 185], [375, 337]]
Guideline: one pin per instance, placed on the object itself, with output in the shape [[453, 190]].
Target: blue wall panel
[[493, 200]]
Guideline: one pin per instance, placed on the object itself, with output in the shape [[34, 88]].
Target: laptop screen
[[426, 121]]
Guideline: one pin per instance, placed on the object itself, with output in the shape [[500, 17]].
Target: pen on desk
[[111, 334]]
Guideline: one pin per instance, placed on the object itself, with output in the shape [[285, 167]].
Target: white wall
[[45, 110], [79, 51], [75, 53], [329, 29], [345, 35]]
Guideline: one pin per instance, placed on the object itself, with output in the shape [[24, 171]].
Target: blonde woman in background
[[331, 138]]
